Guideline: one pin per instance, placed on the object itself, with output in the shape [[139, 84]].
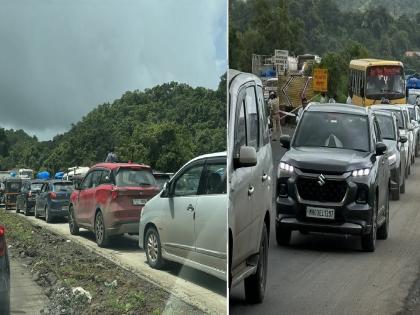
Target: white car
[[186, 221]]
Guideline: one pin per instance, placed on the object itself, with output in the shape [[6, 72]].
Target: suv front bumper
[[354, 218]]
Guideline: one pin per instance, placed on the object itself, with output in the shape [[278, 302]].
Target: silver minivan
[[250, 173], [186, 221]]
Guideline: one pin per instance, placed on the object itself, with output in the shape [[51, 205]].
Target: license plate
[[139, 202], [322, 213]]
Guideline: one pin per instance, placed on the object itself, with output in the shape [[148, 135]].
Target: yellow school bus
[[372, 81]]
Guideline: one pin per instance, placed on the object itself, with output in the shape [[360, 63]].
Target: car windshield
[[63, 186], [398, 116], [333, 130], [36, 186], [130, 177], [386, 126], [388, 80]]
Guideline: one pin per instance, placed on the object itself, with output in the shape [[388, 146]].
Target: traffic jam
[[341, 165], [111, 199]]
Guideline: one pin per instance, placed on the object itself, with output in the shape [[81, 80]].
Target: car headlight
[[285, 168], [392, 159], [361, 172]]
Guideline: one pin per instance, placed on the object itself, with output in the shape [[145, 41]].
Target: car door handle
[[190, 208], [251, 190], [264, 177]]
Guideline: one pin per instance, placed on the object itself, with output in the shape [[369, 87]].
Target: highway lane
[[325, 274]]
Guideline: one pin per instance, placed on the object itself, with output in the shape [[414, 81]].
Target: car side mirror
[[247, 156], [285, 141], [403, 139], [380, 148]]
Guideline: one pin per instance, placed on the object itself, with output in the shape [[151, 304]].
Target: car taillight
[[2, 241], [53, 195]]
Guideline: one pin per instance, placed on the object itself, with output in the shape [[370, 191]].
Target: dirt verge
[[78, 281]]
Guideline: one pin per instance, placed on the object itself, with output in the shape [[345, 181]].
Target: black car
[[26, 198], [53, 200], [4, 274], [396, 153], [335, 176]]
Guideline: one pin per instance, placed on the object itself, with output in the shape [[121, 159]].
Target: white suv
[[250, 172]]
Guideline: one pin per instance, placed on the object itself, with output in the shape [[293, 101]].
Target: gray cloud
[[60, 59]]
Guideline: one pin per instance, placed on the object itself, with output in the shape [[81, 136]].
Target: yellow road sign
[[320, 80]]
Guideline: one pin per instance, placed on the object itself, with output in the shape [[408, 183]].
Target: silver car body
[[192, 228], [407, 146], [410, 132], [416, 125], [250, 188]]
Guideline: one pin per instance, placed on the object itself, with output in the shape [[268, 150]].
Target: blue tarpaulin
[[43, 175], [59, 175], [413, 83]]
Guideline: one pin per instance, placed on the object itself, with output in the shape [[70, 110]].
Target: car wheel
[[417, 150], [153, 249], [74, 228], [36, 212], [383, 231], [402, 188], [5, 303], [25, 209], [101, 236], [283, 236], [369, 240], [255, 284], [395, 194], [48, 217]]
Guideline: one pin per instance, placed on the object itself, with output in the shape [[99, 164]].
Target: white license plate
[[322, 213], [139, 202]]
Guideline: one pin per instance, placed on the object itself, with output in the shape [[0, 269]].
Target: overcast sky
[[61, 58]]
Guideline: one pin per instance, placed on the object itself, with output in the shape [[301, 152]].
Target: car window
[[378, 134], [96, 179], [36, 186], [188, 183], [265, 137], [333, 130], [386, 126], [253, 119], [215, 179], [87, 181], [105, 177], [63, 186], [130, 177], [241, 130]]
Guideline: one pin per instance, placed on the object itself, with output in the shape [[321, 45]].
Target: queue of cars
[[180, 218], [340, 169]]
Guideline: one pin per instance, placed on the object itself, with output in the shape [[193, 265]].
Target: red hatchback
[[109, 199]]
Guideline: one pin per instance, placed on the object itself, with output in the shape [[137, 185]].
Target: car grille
[[331, 191]]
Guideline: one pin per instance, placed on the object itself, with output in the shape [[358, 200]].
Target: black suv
[[335, 176]]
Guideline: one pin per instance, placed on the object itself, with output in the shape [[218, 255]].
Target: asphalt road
[[325, 274], [192, 286], [26, 296]]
